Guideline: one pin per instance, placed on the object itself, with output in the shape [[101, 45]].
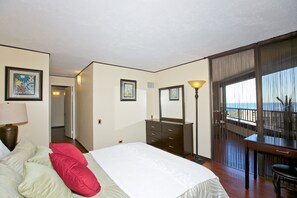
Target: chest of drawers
[[176, 138]]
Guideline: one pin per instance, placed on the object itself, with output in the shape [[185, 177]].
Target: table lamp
[[10, 114]]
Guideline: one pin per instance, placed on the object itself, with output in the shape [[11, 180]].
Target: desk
[[267, 144]]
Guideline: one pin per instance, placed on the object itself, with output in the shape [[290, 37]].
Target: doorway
[[235, 118], [61, 113]]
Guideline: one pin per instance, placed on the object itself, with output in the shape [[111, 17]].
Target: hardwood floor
[[231, 179], [57, 135]]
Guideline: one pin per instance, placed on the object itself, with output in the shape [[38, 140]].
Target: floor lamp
[[196, 84], [11, 114]]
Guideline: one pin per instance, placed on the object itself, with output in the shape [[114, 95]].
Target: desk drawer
[[275, 150]]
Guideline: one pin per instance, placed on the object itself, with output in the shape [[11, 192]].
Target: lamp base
[[9, 135], [198, 159]]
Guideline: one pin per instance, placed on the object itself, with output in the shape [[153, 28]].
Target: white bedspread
[[141, 170]]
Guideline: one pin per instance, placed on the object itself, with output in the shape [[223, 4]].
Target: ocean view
[[266, 106]]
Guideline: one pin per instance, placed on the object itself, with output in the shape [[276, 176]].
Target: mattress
[[140, 170]]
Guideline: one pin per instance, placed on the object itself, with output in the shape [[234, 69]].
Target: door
[[68, 112]]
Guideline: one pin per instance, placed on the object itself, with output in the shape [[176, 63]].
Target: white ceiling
[[145, 34]]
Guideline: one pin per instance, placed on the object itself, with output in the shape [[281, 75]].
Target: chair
[[284, 176]]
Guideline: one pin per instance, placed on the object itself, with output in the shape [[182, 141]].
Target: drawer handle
[[171, 138], [153, 141], [171, 146], [284, 152], [153, 133], [153, 127], [170, 130]]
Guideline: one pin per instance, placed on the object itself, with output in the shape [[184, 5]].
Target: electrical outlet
[[120, 141], [99, 121]]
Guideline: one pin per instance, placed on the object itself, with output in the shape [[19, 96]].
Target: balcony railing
[[242, 115], [273, 120]]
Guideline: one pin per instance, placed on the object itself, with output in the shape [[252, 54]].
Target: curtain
[[232, 65], [279, 94]]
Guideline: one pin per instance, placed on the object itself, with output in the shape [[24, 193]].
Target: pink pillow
[[68, 150], [75, 175]]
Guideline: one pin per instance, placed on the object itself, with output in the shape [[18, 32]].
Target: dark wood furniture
[[174, 137], [267, 144], [283, 175]]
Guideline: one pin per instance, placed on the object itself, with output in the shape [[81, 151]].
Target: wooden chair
[[284, 176]]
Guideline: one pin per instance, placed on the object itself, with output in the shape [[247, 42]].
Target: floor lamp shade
[[196, 84], [10, 114]]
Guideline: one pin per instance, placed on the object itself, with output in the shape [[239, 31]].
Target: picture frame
[[23, 84], [173, 94], [128, 90]]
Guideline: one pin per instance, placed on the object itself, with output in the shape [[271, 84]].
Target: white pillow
[[21, 153], [42, 181], [3, 150], [9, 181]]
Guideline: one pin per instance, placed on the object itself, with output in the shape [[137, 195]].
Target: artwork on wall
[[174, 94], [128, 90], [23, 84]]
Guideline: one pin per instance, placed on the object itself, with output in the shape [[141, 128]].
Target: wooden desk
[[267, 144]]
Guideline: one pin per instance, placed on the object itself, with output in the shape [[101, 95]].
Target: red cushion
[[68, 150], [75, 175]]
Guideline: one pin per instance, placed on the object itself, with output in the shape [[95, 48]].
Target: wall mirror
[[172, 105]]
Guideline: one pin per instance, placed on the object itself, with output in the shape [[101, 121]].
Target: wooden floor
[[58, 136], [231, 179]]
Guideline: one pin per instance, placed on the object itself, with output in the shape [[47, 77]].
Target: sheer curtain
[[279, 94]]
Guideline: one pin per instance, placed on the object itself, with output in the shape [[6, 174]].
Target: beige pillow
[[16, 159], [9, 180], [42, 181], [41, 156]]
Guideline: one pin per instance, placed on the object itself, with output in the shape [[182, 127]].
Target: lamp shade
[[13, 113], [196, 83]]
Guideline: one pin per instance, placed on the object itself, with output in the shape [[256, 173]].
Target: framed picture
[[23, 84], [128, 90], [174, 94]]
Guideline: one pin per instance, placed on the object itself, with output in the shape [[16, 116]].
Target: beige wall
[[84, 109], [62, 81], [179, 76], [37, 128], [98, 97], [120, 120], [57, 108]]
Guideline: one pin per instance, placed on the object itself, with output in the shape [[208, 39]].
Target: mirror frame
[[182, 120]]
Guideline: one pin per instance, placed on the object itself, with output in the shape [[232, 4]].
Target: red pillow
[[68, 150], [75, 175]]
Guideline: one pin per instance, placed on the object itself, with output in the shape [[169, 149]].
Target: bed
[[124, 170]]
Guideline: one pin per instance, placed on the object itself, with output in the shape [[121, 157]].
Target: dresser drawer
[[154, 141], [172, 129], [153, 126], [154, 134], [173, 146]]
